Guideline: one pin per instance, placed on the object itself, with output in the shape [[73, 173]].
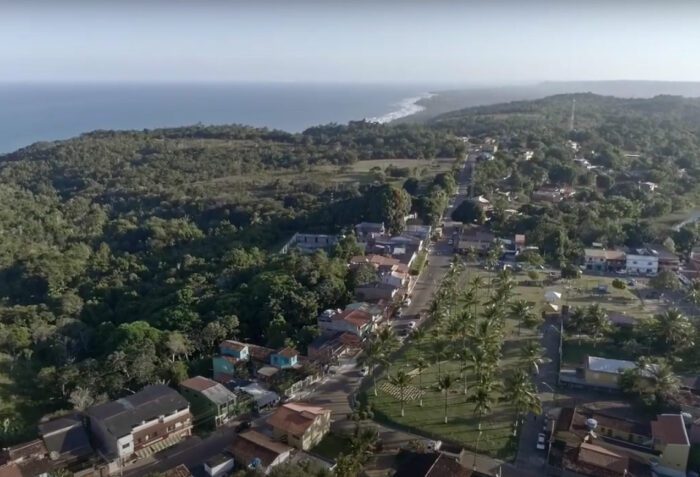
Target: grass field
[[496, 437]]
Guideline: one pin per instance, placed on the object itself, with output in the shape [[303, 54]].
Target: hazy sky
[[370, 41]]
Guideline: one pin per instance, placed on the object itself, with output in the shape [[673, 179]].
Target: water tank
[[591, 424]]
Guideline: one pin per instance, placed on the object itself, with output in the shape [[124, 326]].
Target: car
[[432, 445], [631, 282], [540, 441], [407, 302], [411, 324], [364, 371]]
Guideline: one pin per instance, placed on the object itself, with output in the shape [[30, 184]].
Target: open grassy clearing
[[496, 437]]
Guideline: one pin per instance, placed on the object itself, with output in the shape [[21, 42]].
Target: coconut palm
[[653, 380], [421, 365], [444, 385], [521, 392], [440, 354], [518, 310], [577, 322], [401, 380], [598, 324], [673, 331], [372, 356], [532, 320], [483, 396], [531, 355]]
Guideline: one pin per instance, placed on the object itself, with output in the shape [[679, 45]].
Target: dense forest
[[126, 256], [632, 162]]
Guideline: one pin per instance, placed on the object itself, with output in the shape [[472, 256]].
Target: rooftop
[[178, 471], [355, 317], [121, 416], [288, 352], [66, 436], [215, 392], [670, 429], [605, 253], [295, 418], [416, 464], [606, 365], [252, 445], [598, 456]]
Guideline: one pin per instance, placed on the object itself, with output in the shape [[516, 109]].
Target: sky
[[378, 41]]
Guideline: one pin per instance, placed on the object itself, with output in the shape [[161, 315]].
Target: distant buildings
[[645, 261]]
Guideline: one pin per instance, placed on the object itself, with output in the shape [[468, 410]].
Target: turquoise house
[[284, 358]]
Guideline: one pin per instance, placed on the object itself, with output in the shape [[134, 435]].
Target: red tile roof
[[198, 383], [288, 352], [295, 418], [355, 317], [670, 429]]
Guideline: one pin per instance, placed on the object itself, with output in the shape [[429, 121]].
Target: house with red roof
[[300, 425]]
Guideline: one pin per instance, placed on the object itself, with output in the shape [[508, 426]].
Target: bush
[[619, 284]]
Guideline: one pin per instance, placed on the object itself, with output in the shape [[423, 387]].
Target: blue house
[[284, 358], [235, 349]]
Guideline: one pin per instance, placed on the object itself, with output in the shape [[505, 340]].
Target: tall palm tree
[[531, 355], [483, 396], [521, 392], [372, 356], [598, 324], [518, 310], [401, 380], [673, 330], [421, 365], [577, 321], [444, 385], [440, 353]]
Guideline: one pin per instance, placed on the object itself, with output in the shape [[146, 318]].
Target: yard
[[497, 427]]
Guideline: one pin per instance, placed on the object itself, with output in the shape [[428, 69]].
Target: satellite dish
[[591, 424]]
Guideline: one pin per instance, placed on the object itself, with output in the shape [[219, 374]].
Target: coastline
[[405, 108]]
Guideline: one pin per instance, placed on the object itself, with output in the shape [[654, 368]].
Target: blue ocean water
[[42, 112]]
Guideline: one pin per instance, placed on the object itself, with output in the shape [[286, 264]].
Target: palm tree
[[372, 356], [518, 310], [577, 322], [421, 366], [444, 385], [520, 391], [439, 354], [483, 396], [532, 320], [531, 354], [598, 323], [674, 330], [418, 335], [653, 380], [401, 380]]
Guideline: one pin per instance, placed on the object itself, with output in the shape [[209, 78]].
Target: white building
[[642, 261]]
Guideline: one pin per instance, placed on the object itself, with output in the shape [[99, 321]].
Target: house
[[377, 291], [380, 263], [155, 417], [604, 372], [25, 452], [622, 321], [595, 460], [668, 261], [355, 321], [211, 402], [327, 348], [474, 237], [429, 464], [421, 232], [671, 441], [378, 311], [310, 243], [66, 439], [218, 465], [546, 194], [368, 230], [642, 261], [262, 398], [648, 186], [603, 260], [300, 425], [235, 349], [257, 451], [284, 358], [235, 355]]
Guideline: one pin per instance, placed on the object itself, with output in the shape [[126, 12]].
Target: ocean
[[43, 112]]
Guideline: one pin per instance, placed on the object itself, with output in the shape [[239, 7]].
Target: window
[[126, 446]]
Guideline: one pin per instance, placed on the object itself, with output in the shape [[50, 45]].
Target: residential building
[[235, 355], [355, 321], [257, 451], [642, 261], [604, 372], [546, 194], [671, 441], [152, 419], [310, 243], [66, 439], [378, 291], [285, 358], [300, 425], [473, 237], [668, 261], [211, 402], [430, 464], [421, 232], [603, 260], [368, 230], [329, 347], [648, 186], [598, 461], [218, 465], [262, 398]]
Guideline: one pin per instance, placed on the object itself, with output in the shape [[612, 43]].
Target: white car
[[412, 324], [540, 441]]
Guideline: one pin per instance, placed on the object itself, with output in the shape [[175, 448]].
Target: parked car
[[412, 324], [242, 426], [540, 441], [432, 445]]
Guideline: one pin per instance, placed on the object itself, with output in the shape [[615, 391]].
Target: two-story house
[[642, 261], [671, 441], [603, 260], [355, 321], [129, 427], [300, 425], [211, 402]]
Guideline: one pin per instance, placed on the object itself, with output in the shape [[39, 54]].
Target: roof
[[374, 259], [179, 471], [66, 436], [218, 459], [597, 456], [288, 352], [250, 445], [604, 253], [233, 345], [295, 418], [606, 365], [620, 319], [26, 449], [339, 339], [262, 396], [215, 392], [121, 416], [574, 420], [670, 429], [355, 317], [416, 464], [10, 470], [267, 371]]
